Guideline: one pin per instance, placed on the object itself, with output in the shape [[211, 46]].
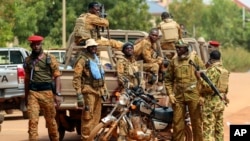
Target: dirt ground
[[237, 112]]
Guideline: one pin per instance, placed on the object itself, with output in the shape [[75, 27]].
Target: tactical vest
[[223, 81], [95, 83], [41, 70], [184, 72], [169, 31], [81, 30]]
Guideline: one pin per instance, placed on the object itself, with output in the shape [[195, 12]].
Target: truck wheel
[[1, 118], [61, 131], [25, 115]]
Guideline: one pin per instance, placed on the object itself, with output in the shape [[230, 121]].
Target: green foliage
[[130, 15], [236, 59]]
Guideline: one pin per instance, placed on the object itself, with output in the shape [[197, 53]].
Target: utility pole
[[64, 23], [243, 17]]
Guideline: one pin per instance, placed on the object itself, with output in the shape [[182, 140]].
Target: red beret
[[35, 38], [214, 43]]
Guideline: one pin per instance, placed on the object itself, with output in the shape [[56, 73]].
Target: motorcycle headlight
[[123, 99]]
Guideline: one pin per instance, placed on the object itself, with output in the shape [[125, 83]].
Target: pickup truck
[[12, 79], [68, 114]]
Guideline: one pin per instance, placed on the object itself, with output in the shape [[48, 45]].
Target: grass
[[236, 59]]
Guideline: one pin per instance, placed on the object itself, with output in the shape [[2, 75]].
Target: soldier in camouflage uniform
[[181, 85], [213, 106], [87, 24], [146, 50], [41, 69], [88, 81]]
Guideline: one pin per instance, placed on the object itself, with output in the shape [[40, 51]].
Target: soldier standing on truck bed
[[181, 85], [40, 71], [171, 32], [88, 26], [88, 81], [146, 50]]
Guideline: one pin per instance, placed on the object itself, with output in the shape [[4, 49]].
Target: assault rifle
[[209, 82], [102, 15]]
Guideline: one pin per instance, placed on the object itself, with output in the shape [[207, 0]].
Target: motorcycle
[[144, 118]]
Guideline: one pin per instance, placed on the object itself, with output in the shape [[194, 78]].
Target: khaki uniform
[[127, 68], [213, 107], [148, 53], [40, 95], [85, 28], [181, 82], [165, 45], [92, 90]]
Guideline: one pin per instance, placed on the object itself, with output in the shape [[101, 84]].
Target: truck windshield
[[11, 57]]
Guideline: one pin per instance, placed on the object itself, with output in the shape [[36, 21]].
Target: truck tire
[[1, 118], [25, 115]]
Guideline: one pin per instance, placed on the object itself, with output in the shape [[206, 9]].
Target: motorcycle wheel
[[188, 133], [99, 131]]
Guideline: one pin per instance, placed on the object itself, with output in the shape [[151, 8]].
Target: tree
[[44, 17]]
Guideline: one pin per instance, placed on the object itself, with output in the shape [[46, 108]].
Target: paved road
[[14, 128]]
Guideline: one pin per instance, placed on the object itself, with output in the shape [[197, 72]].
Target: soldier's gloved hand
[[201, 101], [79, 99], [172, 98]]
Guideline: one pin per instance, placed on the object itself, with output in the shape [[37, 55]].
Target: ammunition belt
[[40, 86]]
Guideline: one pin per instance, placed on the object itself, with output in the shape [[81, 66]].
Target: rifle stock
[[209, 82]]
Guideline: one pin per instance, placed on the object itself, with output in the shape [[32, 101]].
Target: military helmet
[[181, 43], [201, 40]]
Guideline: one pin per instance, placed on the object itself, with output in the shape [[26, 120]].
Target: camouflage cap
[[181, 43]]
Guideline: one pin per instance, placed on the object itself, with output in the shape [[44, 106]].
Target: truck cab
[[12, 79]]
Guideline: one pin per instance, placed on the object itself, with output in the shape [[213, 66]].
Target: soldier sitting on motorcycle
[[127, 67]]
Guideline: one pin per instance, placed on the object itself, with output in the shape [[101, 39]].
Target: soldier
[[171, 32], [146, 50], [88, 26], [41, 70], [181, 86], [88, 81], [212, 45], [213, 106], [127, 67]]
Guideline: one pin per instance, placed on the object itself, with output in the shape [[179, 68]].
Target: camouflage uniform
[[169, 45], [83, 82], [148, 53], [213, 107], [85, 28], [41, 99], [181, 82]]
